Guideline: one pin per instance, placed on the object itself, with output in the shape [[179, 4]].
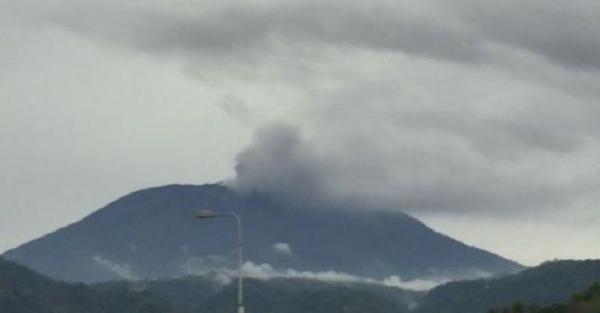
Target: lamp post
[[206, 214]]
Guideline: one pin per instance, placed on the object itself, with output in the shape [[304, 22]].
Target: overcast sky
[[479, 117]]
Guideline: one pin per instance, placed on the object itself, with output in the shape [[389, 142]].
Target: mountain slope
[[152, 234], [24, 291], [550, 283], [584, 302]]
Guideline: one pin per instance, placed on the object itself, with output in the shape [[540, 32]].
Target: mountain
[[152, 234], [24, 291], [547, 284]]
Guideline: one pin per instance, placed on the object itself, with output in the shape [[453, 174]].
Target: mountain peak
[[151, 233]]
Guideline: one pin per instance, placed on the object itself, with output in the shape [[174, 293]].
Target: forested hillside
[[200, 294], [547, 284], [24, 291], [584, 302]]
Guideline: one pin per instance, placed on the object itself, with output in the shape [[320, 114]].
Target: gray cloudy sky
[[479, 117]]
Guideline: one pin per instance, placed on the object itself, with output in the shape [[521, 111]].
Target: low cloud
[[222, 273], [265, 271], [123, 271], [283, 248]]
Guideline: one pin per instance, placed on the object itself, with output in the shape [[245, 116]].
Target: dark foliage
[[584, 302], [297, 296], [24, 291], [548, 284]]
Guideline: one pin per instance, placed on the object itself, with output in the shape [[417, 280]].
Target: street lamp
[[206, 214]]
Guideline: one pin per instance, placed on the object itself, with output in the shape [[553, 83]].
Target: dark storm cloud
[[418, 173], [368, 147], [244, 27], [562, 31], [422, 106], [458, 30]]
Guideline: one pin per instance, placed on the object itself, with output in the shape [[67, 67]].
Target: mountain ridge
[[547, 284], [22, 290], [25, 291], [536, 290], [151, 233]]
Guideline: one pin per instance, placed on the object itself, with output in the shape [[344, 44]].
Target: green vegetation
[[298, 296], [585, 302], [537, 290], [200, 294], [24, 291], [545, 285]]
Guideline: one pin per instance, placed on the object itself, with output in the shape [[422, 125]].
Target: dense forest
[[584, 302], [548, 288], [24, 291], [200, 294], [550, 283]]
